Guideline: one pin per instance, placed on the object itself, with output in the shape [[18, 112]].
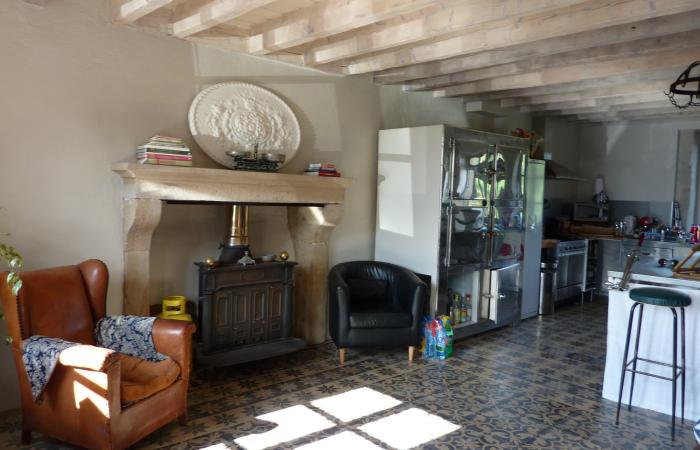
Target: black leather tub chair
[[374, 304]]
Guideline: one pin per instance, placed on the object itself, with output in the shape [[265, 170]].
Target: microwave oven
[[591, 212]]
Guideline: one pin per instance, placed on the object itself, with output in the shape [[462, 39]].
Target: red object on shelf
[[645, 221]]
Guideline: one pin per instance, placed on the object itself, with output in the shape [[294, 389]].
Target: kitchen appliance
[[571, 268], [450, 204], [534, 208], [548, 288], [591, 212], [630, 224], [676, 221]]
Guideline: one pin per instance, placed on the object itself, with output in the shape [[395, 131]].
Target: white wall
[[636, 158]]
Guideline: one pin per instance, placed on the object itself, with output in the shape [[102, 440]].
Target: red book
[[164, 156]]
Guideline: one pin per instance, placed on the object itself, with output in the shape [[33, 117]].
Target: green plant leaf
[[8, 340], [16, 287]]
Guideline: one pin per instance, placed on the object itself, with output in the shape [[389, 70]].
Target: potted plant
[[13, 260]]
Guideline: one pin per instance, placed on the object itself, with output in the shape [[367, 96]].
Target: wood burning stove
[[245, 313]]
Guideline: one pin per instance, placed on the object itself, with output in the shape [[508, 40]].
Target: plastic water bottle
[[449, 334], [424, 334], [440, 341], [429, 352]]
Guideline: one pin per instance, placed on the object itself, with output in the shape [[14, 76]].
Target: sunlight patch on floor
[[216, 447], [347, 440], [292, 423], [409, 428], [354, 404], [401, 430]]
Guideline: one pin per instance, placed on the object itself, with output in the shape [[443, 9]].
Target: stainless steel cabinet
[[609, 258]]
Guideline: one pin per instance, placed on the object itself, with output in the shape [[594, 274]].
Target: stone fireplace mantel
[[314, 207]]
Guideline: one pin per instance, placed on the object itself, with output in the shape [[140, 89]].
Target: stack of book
[[164, 150], [322, 170]]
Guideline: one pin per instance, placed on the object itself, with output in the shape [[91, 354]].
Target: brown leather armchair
[[96, 398]]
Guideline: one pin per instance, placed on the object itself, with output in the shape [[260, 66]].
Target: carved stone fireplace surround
[[314, 207]]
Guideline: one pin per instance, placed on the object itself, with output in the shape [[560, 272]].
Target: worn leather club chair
[[96, 398], [374, 304]]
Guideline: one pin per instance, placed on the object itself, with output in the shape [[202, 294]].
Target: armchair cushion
[[379, 316], [141, 378], [364, 291]]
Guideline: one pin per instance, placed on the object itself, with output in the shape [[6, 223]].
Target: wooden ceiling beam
[[575, 73], [443, 22], [591, 102], [662, 112], [642, 106], [326, 19], [129, 11], [643, 87], [214, 13], [590, 55], [613, 82], [541, 46]]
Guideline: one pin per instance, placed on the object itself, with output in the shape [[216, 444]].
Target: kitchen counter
[[607, 237], [656, 343]]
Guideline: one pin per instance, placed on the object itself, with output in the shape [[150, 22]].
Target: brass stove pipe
[[237, 225]]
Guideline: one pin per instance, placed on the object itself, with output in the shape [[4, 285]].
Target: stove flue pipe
[[236, 239]]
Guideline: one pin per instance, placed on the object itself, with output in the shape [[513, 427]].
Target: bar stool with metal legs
[[656, 297]]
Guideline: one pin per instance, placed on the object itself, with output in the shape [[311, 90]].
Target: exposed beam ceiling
[[575, 72], [570, 57], [128, 11]]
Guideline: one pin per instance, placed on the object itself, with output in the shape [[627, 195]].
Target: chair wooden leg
[[26, 438], [341, 355], [410, 353], [182, 420]]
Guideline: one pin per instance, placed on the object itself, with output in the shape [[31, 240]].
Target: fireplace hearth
[[314, 207]]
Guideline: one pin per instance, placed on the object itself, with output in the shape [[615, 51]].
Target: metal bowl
[[240, 154], [276, 157]]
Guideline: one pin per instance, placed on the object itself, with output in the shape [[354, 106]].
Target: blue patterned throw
[[696, 431], [40, 356], [131, 335]]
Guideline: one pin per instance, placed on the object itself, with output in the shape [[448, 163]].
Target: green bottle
[[449, 335]]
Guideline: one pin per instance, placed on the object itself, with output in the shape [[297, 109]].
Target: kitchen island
[[656, 343]]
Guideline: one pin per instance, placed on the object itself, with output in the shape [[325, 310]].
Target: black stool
[[656, 297]]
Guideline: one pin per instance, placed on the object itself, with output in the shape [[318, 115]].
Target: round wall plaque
[[238, 116]]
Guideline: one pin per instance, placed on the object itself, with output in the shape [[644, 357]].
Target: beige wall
[[80, 93]]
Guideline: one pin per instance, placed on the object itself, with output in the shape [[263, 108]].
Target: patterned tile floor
[[534, 386]]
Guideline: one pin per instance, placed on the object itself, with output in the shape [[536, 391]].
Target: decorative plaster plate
[[237, 116]]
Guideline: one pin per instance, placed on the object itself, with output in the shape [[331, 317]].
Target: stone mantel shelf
[[314, 208], [225, 185]]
